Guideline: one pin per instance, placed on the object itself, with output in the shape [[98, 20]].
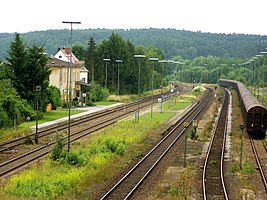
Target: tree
[[26, 68], [36, 74], [90, 57], [16, 65], [12, 107], [79, 51]]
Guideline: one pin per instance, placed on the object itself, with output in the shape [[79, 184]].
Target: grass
[[104, 155], [52, 115], [53, 179], [24, 128]]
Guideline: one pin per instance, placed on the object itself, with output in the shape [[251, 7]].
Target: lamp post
[[70, 72], [161, 85], [139, 82], [153, 60], [252, 79], [263, 52], [257, 77], [242, 127], [37, 92], [118, 61], [106, 80]]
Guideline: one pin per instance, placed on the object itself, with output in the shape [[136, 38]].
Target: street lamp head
[[258, 55], [106, 59], [118, 61], [70, 22], [139, 56], [153, 59], [163, 61]]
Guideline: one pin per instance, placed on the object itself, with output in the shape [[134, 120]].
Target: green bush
[[25, 110], [98, 93], [57, 151], [54, 97], [193, 133], [248, 167], [113, 146], [108, 145], [4, 119], [73, 158], [174, 191], [235, 168]]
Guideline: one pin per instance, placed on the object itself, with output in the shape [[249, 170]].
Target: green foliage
[[174, 190], [54, 97], [108, 145], [193, 135], [248, 166], [172, 42], [76, 158], [235, 168], [57, 150], [25, 110], [92, 161], [28, 140], [44, 185], [98, 93], [26, 69], [11, 105]]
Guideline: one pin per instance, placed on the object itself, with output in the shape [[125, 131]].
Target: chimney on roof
[[67, 50]]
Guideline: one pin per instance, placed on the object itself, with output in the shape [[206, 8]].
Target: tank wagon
[[254, 113]]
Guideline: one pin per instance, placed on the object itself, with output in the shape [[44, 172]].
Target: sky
[[214, 16]]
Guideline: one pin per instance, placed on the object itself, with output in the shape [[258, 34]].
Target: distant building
[[60, 66]]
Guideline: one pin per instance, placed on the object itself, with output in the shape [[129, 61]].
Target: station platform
[[88, 110]]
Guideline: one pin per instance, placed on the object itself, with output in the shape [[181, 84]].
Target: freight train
[[254, 113]]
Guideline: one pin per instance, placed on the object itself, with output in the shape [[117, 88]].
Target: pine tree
[[90, 58], [16, 65], [36, 74]]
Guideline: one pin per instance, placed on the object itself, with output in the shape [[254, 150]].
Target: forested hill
[[172, 42]]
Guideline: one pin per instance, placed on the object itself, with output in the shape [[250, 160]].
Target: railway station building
[[59, 64]]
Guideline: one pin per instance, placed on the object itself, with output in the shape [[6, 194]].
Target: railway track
[[260, 152], [79, 129], [131, 181], [12, 144], [213, 175], [9, 145]]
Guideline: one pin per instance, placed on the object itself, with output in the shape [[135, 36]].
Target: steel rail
[[45, 149], [8, 145], [222, 153], [258, 163], [179, 123]]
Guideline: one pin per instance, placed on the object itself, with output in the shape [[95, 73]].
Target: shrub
[[28, 140], [113, 146], [73, 158], [235, 168], [57, 151], [98, 93], [174, 190], [248, 167], [193, 135], [25, 109]]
